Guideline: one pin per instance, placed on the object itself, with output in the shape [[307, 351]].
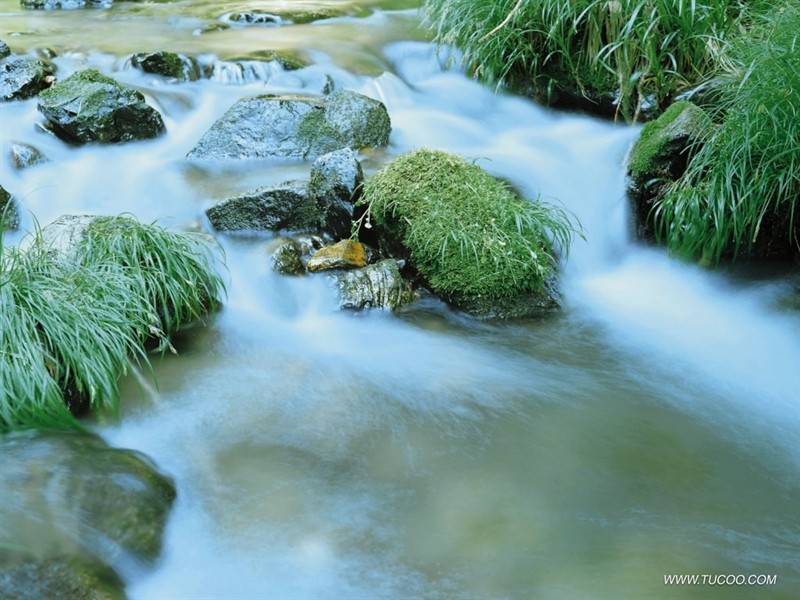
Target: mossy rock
[[290, 60], [9, 216], [471, 237], [346, 254], [295, 126], [167, 64], [26, 577], [90, 107], [23, 77], [285, 206], [660, 157], [63, 489], [286, 257], [379, 286]]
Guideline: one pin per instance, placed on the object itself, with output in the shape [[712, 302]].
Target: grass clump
[[627, 50], [740, 191], [468, 234], [72, 322]]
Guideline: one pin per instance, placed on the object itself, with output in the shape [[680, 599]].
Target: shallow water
[[651, 428]]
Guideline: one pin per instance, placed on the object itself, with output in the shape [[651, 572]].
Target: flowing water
[[652, 427]]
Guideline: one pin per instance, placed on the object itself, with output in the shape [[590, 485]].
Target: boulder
[[286, 257], [25, 577], [660, 157], [335, 182], [66, 491], [377, 286], [90, 107], [9, 217], [23, 155], [285, 206], [23, 77], [347, 254], [167, 64], [4, 50], [294, 126]]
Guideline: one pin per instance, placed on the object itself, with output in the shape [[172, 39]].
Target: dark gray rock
[[286, 257], [286, 206], [252, 18], [335, 183], [377, 286], [4, 50], [167, 64], [26, 577], [292, 126], [72, 492], [23, 155], [90, 107], [23, 77], [9, 217]]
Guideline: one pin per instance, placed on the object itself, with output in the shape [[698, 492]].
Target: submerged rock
[[23, 155], [167, 64], [23, 77], [9, 217], [90, 107], [335, 182], [25, 577], [660, 157], [285, 206], [286, 258], [377, 286], [347, 254], [71, 490], [4, 50], [252, 18], [294, 126]]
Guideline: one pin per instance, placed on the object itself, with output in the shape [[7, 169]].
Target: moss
[[472, 238], [682, 122]]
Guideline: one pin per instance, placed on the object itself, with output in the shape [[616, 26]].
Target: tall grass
[[632, 49], [71, 324], [741, 190]]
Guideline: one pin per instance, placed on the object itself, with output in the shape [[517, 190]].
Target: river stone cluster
[[294, 126], [22, 77], [90, 107]]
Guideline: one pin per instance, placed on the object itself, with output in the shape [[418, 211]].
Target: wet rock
[[23, 155], [660, 157], [23, 77], [63, 4], [65, 234], [72, 492], [310, 243], [347, 254], [286, 258], [4, 50], [9, 217], [290, 60], [252, 18], [167, 64], [335, 181], [90, 107], [285, 206], [25, 577], [377, 286], [293, 126], [523, 306]]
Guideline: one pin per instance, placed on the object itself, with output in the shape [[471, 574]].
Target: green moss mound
[[473, 239], [73, 318], [626, 52], [739, 195]]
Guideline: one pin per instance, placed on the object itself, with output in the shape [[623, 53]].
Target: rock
[[167, 64], [24, 577], [252, 18], [377, 286], [347, 254], [290, 60], [71, 490], [64, 235], [285, 206], [24, 155], [63, 4], [4, 50], [660, 157], [310, 243], [294, 126], [286, 257], [90, 107], [522, 306], [336, 180], [23, 77], [9, 216]]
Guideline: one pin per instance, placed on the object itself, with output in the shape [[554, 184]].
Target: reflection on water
[[649, 429]]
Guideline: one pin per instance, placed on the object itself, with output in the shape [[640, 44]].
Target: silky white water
[[653, 427]]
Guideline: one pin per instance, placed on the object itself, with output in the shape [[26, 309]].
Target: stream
[[652, 427]]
